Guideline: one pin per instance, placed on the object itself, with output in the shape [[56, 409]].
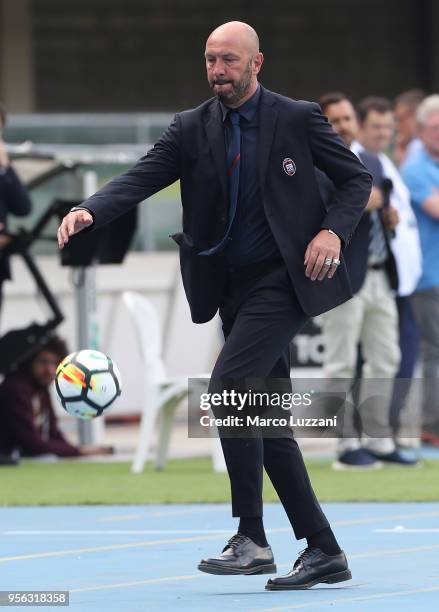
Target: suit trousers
[[260, 315], [426, 309], [409, 341]]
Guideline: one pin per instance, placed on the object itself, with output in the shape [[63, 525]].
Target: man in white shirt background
[[370, 318], [376, 131]]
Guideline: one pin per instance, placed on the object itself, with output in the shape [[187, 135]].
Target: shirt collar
[[248, 110]]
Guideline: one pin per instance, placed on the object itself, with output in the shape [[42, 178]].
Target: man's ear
[[258, 60]]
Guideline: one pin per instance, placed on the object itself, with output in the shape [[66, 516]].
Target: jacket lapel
[[267, 124], [215, 136]]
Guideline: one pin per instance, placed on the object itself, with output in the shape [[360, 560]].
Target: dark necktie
[[378, 252], [377, 245], [233, 165]]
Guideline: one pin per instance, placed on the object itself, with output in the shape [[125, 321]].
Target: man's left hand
[[390, 217], [322, 249]]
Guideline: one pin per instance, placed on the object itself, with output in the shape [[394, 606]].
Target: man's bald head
[[236, 32], [233, 61]]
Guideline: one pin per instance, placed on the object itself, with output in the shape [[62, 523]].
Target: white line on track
[[194, 510], [387, 552], [119, 585], [79, 532], [201, 538], [401, 529], [368, 555], [227, 507], [395, 551], [343, 600], [79, 551], [120, 518], [106, 532], [378, 519]]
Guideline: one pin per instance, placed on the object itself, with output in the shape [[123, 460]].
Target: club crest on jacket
[[289, 166]]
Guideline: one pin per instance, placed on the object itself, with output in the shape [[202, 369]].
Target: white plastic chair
[[161, 394]]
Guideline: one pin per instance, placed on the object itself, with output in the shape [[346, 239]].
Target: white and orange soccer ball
[[87, 383]]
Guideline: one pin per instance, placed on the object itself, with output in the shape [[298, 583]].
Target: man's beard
[[347, 137], [42, 382], [238, 89]]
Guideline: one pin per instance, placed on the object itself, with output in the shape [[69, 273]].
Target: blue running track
[[128, 558]]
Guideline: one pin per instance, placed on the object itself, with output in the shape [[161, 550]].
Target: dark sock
[[254, 529], [325, 540]]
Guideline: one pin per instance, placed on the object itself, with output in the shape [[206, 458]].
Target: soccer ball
[[87, 383]]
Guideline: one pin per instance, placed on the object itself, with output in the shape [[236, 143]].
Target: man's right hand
[[73, 223]]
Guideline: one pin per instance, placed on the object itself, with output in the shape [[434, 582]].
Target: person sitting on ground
[[29, 423]]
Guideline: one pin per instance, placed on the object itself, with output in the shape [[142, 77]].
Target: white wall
[[188, 348]]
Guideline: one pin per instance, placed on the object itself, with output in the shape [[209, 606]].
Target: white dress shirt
[[405, 246]]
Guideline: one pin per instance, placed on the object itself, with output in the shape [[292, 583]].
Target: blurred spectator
[[421, 174], [375, 135], [370, 318], [405, 107], [13, 200], [28, 420]]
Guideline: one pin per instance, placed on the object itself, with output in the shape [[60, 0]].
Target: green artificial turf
[[192, 481]]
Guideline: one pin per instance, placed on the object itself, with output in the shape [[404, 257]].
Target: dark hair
[[57, 346], [411, 98], [54, 345], [2, 115], [332, 97], [372, 103]]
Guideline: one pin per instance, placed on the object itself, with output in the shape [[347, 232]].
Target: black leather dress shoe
[[312, 567], [240, 556]]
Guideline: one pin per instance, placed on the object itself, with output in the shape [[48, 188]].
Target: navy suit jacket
[[13, 200], [193, 150], [356, 255]]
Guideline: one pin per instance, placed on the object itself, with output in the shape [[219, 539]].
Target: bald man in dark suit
[[259, 245]]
